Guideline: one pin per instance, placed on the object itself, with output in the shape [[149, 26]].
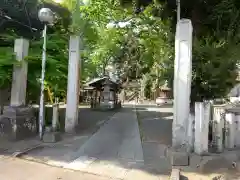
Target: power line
[[2, 14], [26, 12]]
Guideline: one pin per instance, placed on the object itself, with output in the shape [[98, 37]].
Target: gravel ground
[[17, 169]]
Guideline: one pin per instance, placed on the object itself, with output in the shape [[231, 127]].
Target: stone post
[[53, 135], [55, 116], [202, 119], [237, 136], [71, 119], [182, 81], [230, 130], [19, 77], [218, 126], [191, 130]]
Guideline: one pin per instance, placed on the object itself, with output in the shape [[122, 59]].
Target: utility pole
[[178, 10]]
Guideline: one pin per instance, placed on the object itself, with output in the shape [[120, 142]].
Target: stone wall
[[18, 123]]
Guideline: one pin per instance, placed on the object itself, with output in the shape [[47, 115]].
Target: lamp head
[[45, 15]]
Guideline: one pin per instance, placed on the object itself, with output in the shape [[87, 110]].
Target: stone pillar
[[191, 130], [55, 117], [71, 119], [19, 77], [52, 134], [237, 137], [230, 130], [202, 119], [18, 121], [182, 81], [218, 125]]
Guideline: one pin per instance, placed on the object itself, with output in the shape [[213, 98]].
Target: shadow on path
[[89, 123], [156, 131]]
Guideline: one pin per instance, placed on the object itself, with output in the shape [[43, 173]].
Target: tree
[[215, 58], [57, 46], [137, 37]]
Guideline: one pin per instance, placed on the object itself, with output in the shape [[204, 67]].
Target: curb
[[19, 154]]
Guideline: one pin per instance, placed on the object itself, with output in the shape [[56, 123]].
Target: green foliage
[[214, 69], [56, 66], [142, 48], [215, 58], [7, 59]]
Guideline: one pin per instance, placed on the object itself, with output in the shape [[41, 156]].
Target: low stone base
[[180, 159], [51, 137], [17, 123], [175, 174]]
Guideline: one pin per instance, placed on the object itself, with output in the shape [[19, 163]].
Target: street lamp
[[178, 10], [46, 16]]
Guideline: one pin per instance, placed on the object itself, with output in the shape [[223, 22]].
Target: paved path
[[156, 123], [61, 152], [113, 149], [156, 131]]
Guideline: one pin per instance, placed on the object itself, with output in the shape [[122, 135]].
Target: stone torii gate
[[17, 105], [182, 81]]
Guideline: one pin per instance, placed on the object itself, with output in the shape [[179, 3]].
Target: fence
[[216, 127]]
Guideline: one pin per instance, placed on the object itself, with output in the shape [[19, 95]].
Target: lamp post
[[46, 16], [178, 10]]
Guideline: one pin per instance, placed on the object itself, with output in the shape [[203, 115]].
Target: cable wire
[[2, 14], [26, 12]]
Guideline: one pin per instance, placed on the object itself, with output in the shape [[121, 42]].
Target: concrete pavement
[[118, 138], [115, 151], [156, 130]]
